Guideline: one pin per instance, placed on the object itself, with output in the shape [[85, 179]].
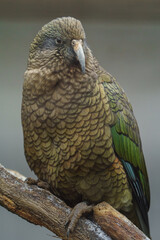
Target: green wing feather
[[127, 144]]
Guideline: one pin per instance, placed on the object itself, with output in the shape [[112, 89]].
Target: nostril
[[74, 42]]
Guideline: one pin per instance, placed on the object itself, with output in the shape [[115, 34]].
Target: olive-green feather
[[125, 131], [127, 145]]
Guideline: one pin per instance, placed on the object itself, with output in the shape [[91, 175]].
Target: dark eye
[[58, 41]]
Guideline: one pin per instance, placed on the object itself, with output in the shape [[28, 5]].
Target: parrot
[[80, 133]]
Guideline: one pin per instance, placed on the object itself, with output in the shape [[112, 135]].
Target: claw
[[76, 213], [68, 232], [31, 181], [38, 182]]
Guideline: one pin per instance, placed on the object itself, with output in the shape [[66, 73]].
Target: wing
[[127, 144]]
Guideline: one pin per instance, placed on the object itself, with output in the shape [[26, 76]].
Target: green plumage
[[80, 133], [128, 148]]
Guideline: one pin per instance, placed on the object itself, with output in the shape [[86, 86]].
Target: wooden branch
[[115, 224], [41, 207]]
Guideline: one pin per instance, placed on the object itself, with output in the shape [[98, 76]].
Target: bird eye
[[58, 41]]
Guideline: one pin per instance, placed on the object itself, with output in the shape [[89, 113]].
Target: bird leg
[[38, 182], [78, 210]]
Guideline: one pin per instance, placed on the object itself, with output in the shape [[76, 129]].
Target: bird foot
[[38, 182], [80, 209]]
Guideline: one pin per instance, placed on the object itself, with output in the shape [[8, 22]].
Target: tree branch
[[41, 207]]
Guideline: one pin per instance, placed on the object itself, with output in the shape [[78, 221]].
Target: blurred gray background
[[125, 37]]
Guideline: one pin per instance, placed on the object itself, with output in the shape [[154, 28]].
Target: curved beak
[[78, 49]]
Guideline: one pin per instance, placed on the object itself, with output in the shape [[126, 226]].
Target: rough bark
[[41, 207], [115, 224]]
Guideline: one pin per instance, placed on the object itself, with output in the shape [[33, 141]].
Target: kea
[[80, 133]]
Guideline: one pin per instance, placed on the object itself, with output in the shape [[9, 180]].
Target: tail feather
[[135, 216], [143, 225], [140, 203]]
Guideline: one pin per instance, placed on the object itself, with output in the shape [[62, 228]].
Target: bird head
[[58, 44]]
